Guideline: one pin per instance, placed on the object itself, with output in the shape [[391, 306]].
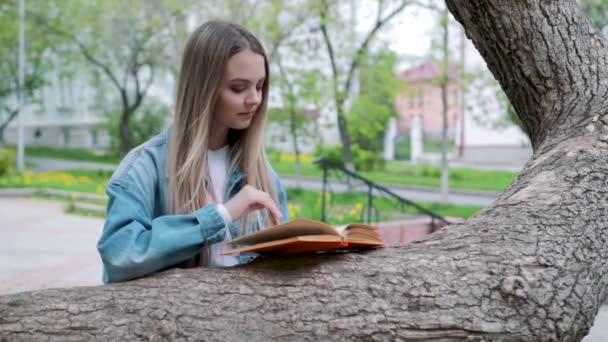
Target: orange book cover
[[306, 236]]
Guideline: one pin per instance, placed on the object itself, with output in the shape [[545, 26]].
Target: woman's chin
[[241, 125]]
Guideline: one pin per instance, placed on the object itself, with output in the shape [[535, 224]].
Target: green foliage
[[40, 46], [375, 103], [331, 153], [364, 160], [403, 149], [7, 158], [147, 121], [124, 45], [597, 11]]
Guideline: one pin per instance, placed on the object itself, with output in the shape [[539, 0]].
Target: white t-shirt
[[218, 172]]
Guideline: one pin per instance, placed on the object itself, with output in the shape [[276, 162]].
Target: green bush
[[364, 160], [431, 171], [331, 153], [367, 160], [6, 161], [403, 149]]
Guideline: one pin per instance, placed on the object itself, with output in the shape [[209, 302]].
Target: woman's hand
[[250, 199]]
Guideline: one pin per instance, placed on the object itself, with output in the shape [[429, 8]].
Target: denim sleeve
[[134, 244], [282, 197]]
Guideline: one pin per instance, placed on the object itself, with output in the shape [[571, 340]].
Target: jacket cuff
[[224, 213], [212, 223]]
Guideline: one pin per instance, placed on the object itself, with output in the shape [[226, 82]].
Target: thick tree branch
[[548, 58], [324, 9], [105, 69]]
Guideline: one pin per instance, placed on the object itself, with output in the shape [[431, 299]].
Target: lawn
[[341, 208], [67, 153], [418, 175], [395, 172]]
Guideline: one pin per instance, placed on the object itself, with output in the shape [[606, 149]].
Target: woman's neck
[[218, 138]]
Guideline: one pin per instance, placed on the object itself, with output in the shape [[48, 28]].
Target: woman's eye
[[237, 89]]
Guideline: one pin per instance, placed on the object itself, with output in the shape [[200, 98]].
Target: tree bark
[[532, 266]]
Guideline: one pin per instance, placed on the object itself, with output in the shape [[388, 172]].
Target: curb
[[26, 192], [17, 192], [89, 207]]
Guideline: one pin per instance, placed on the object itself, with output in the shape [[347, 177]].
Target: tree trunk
[[127, 141], [294, 140], [347, 153], [5, 124], [532, 266]]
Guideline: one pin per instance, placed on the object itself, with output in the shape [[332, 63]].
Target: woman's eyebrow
[[246, 80]]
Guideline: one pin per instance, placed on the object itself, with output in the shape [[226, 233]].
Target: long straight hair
[[206, 53]]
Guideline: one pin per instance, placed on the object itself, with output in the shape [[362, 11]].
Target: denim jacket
[[139, 236]]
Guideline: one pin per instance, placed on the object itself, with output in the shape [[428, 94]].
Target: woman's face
[[240, 92]]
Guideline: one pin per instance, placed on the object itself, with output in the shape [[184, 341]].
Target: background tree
[[532, 266], [128, 43], [286, 29], [374, 104], [40, 59], [345, 60]]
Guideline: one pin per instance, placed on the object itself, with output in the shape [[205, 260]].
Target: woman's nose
[[254, 98]]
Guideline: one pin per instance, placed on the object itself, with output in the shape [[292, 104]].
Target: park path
[[43, 247]]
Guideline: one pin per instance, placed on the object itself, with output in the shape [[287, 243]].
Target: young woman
[[181, 196]]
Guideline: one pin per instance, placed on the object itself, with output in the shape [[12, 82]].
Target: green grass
[[394, 173], [79, 154], [89, 181], [342, 207], [418, 175], [348, 207]]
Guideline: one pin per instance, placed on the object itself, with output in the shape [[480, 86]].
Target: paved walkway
[[43, 247]]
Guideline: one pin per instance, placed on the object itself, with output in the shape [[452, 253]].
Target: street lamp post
[[20, 91]]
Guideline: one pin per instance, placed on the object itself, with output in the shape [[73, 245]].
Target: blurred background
[[390, 90]]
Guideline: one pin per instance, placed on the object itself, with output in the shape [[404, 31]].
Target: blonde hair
[[205, 56]]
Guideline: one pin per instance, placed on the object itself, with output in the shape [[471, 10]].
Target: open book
[[305, 236]]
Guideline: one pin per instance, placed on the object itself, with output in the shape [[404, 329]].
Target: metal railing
[[328, 165]]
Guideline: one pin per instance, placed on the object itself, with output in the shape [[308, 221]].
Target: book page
[[297, 227], [294, 245], [361, 231]]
